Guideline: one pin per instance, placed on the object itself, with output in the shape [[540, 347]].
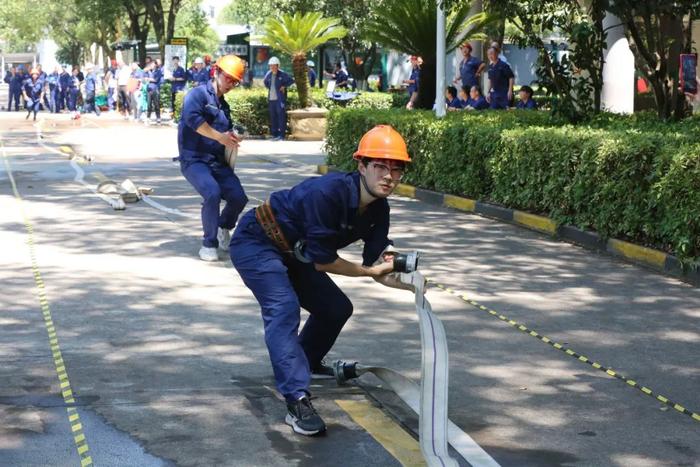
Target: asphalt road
[[166, 358]]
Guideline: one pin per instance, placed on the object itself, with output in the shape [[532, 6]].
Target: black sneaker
[[322, 371], [302, 417]]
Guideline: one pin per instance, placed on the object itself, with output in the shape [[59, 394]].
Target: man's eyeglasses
[[383, 169], [233, 82]]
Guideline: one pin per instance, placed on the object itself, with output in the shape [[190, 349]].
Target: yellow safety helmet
[[232, 66]]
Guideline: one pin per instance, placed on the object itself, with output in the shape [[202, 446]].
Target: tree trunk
[[301, 78], [426, 84]]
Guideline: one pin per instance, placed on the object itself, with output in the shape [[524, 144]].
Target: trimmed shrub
[[626, 177]]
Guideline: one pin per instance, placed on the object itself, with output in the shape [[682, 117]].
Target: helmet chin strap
[[364, 183]]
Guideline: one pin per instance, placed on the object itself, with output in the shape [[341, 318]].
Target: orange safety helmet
[[232, 66], [382, 142]]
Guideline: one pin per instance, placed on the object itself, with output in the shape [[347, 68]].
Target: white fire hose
[[429, 401]]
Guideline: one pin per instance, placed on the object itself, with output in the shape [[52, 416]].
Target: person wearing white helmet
[[312, 73], [277, 82], [197, 75]]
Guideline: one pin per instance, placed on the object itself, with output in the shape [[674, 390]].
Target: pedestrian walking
[[285, 248], [204, 136], [123, 99], [277, 82], [64, 82], [501, 80]]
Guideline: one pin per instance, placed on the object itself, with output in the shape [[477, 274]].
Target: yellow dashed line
[[74, 418]]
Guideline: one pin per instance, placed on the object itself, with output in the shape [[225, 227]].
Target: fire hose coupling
[[406, 262], [344, 371]]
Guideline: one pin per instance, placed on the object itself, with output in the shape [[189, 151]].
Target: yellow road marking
[[638, 253], [457, 202], [388, 433], [67, 393], [543, 224]]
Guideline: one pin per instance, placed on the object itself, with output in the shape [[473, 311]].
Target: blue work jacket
[[477, 104], [198, 78], [90, 83], [65, 80], [322, 212], [312, 78], [500, 73], [415, 75], [33, 88], [202, 105], [530, 105], [283, 79], [178, 72], [454, 103], [156, 75], [467, 71]]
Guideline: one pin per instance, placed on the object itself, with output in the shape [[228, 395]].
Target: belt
[[266, 219]]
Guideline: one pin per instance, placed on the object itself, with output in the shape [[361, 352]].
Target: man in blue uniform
[[204, 135], [451, 99], [312, 73], [178, 79], [198, 75], [65, 81], [154, 76], [413, 81], [54, 90], [90, 90], [14, 79], [340, 77], [476, 101], [470, 68], [277, 82], [501, 79], [526, 101], [285, 248]]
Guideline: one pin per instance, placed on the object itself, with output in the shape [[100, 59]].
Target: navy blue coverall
[[202, 161], [500, 73], [15, 92], [322, 213], [277, 102], [467, 71]]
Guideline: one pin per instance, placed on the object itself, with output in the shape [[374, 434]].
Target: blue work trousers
[[54, 99], [278, 118], [13, 95], [216, 182], [499, 101], [282, 285]]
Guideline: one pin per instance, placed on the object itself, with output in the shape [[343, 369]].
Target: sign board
[[234, 49], [176, 48]]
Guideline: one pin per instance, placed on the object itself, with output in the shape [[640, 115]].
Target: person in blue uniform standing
[[14, 79], [64, 82], [277, 82], [155, 79], [33, 93], [413, 81], [204, 135], [470, 68], [312, 73], [285, 248], [54, 90], [526, 101], [501, 79], [198, 75], [178, 79], [90, 90], [476, 101]]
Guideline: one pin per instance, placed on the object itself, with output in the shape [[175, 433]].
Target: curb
[[657, 260]]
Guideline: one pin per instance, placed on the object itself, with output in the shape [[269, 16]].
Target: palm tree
[[410, 26], [297, 35]]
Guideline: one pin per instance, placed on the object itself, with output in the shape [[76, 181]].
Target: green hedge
[[625, 177]]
